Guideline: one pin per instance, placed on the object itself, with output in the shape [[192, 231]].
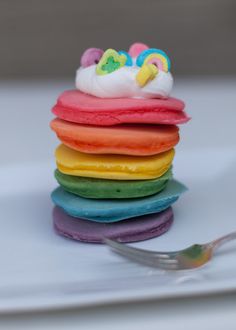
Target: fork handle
[[224, 239]]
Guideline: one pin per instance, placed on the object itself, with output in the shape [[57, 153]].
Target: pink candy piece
[[136, 48], [90, 57], [157, 62]]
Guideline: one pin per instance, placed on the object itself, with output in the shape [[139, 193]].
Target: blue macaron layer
[[116, 210]]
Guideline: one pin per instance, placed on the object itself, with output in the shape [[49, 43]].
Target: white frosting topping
[[122, 83]]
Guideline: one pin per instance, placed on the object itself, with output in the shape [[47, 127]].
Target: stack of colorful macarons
[[118, 130]]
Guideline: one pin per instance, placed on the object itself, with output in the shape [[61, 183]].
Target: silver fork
[[192, 257]]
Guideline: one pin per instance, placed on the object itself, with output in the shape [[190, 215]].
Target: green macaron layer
[[109, 189]]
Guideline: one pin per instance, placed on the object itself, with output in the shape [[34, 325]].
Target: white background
[[26, 142]]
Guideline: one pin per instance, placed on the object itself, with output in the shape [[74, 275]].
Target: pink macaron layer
[[77, 107]]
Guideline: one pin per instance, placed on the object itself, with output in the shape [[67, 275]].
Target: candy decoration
[[90, 57], [156, 57], [136, 48], [110, 62], [146, 73], [129, 61]]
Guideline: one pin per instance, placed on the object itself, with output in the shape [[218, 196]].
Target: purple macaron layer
[[131, 230]]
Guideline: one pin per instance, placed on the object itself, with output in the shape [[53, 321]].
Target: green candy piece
[[194, 252], [110, 62], [109, 189]]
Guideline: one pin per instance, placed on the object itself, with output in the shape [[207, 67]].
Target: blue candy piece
[[110, 210], [129, 61], [141, 58]]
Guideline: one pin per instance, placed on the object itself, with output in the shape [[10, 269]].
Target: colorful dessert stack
[[118, 132]]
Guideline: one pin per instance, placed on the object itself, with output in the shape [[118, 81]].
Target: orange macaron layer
[[124, 139]]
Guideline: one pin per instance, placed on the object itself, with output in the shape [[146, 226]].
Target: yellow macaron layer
[[115, 167]]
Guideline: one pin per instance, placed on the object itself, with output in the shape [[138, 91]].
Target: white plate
[[42, 270]]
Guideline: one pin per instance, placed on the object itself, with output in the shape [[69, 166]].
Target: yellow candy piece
[[116, 167], [110, 62], [146, 73]]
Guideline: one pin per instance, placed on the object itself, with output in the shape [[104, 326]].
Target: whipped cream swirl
[[122, 83]]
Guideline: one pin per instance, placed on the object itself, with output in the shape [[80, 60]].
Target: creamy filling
[[122, 83]]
